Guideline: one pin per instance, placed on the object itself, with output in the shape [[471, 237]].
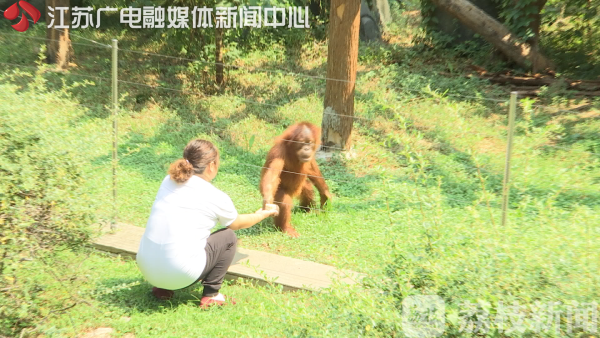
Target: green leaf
[[453, 317], [251, 142]]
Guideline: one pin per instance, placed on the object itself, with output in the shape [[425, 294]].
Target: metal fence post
[[511, 128], [115, 103]]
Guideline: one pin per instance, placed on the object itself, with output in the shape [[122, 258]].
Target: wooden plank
[[291, 273], [125, 241]]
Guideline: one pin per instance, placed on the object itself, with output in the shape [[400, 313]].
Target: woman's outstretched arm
[[244, 221]]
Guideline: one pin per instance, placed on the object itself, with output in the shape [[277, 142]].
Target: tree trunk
[[342, 59], [59, 50], [219, 55], [534, 8], [496, 34], [382, 11], [536, 22]]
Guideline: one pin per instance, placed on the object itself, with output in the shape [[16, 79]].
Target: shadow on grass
[[581, 130], [168, 143], [175, 133], [139, 298], [152, 161], [464, 189], [151, 156]]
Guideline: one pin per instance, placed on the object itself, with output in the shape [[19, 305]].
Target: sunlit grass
[[413, 182]]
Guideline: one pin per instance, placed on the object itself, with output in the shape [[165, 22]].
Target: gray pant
[[220, 250]]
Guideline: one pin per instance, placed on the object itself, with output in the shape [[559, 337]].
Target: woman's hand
[[268, 210], [247, 220]]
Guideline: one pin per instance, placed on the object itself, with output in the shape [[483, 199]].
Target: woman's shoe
[[218, 300], [162, 294]]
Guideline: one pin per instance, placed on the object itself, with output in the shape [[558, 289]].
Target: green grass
[[411, 208]]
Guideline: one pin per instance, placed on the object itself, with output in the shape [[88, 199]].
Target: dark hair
[[197, 155]]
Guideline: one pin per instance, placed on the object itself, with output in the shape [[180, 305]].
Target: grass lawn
[[417, 204]]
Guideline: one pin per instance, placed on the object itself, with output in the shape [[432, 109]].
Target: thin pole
[[115, 102], [511, 128]]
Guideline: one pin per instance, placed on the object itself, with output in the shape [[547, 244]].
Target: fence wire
[[244, 100], [70, 33]]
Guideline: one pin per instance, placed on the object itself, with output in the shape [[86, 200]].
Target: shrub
[[42, 207]]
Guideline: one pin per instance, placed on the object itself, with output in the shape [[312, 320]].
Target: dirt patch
[[574, 118], [416, 15], [428, 145], [490, 146], [101, 332], [412, 19]]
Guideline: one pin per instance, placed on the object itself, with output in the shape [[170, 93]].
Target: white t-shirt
[[171, 254]]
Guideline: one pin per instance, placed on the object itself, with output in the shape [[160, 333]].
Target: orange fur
[[287, 177]]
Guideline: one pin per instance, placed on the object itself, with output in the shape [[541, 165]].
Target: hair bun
[[181, 170]]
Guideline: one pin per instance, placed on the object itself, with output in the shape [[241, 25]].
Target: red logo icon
[[13, 12]]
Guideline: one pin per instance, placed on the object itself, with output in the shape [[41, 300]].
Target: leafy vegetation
[[418, 201], [571, 35], [42, 206], [568, 33]]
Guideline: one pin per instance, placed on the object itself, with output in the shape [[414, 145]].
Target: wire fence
[[247, 101], [70, 33], [244, 100], [95, 45], [69, 73], [421, 202]]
